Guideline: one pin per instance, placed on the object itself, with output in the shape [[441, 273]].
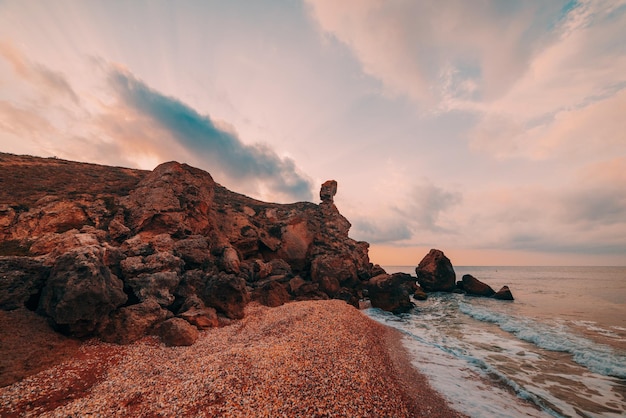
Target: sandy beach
[[313, 358]]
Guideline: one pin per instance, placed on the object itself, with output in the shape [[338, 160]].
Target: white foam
[[554, 337]]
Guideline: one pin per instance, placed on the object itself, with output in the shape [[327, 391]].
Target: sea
[[557, 350]]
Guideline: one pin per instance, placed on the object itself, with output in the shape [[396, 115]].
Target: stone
[[271, 294], [159, 286], [390, 292], [328, 191], [504, 294], [473, 286], [419, 294], [81, 292], [435, 273], [21, 282], [201, 318], [130, 323], [227, 293], [177, 332]]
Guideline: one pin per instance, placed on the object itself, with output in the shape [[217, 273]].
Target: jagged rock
[[21, 282], [81, 291], [348, 296], [473, 286], [130, 323], [201, 317], [504, 294], [271, 294], [174, 198], [227, 293], [194, 251], [295, 284], [177, 332], [328, 191], [159, 286], [435, 273], [391, 292], [332, 272]]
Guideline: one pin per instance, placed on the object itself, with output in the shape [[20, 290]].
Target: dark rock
[[271, 294], [390, 292], [21, 282], [504, 294], [130, 323], [348, 296], [473, 286], [419, 294], [435, 272], [159, 286], [177, 332], [81, 292], [227, 293]]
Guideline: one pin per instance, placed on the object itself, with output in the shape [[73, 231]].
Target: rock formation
[[472, 286], [504, 294], [391, 292], [435, 272], [115, 252]]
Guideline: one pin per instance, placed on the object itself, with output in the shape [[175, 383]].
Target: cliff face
[[116, 252]]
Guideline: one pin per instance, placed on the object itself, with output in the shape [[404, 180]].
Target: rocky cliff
[[119, 253]]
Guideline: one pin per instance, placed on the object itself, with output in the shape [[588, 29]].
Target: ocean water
[[558, 350]]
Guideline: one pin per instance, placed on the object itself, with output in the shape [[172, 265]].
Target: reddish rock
[[271, 294], [473, 286], [390, 292], [177, 332], [504, 294], [201, 318], [435, 273], [328, 191], [419, 294]]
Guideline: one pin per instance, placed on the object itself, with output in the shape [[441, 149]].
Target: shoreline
[[311, 358]]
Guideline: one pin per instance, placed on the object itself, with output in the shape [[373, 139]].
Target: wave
[[598, 358]]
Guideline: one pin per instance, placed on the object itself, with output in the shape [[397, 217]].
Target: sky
[[494, 130]]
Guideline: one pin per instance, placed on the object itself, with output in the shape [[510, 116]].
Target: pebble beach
[[310, 359]]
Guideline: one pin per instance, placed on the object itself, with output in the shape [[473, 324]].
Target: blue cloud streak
[[223, 149]]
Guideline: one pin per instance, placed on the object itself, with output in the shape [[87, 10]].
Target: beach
[[310, 358]]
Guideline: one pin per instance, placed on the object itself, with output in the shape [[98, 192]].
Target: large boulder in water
[[391, 292], [504, 294], [473, 286], [435, 272]]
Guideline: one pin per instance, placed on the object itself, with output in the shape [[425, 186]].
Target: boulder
[[130, 323], [227, 293], [271, 294], [158, 286], [504, 294], [333, 272], [473, 286], [435, 273], [177, 332], [419, 293], [81, 292], [390, 292], [201, 318], [21, 282]]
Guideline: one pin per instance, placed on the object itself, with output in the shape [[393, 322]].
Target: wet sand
[[312, 358]]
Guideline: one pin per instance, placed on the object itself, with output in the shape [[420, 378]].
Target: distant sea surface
[[558, 350]]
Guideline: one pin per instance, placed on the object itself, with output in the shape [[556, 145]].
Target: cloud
[[215, 146], [39, 76], [416, 217], [427, 50]]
